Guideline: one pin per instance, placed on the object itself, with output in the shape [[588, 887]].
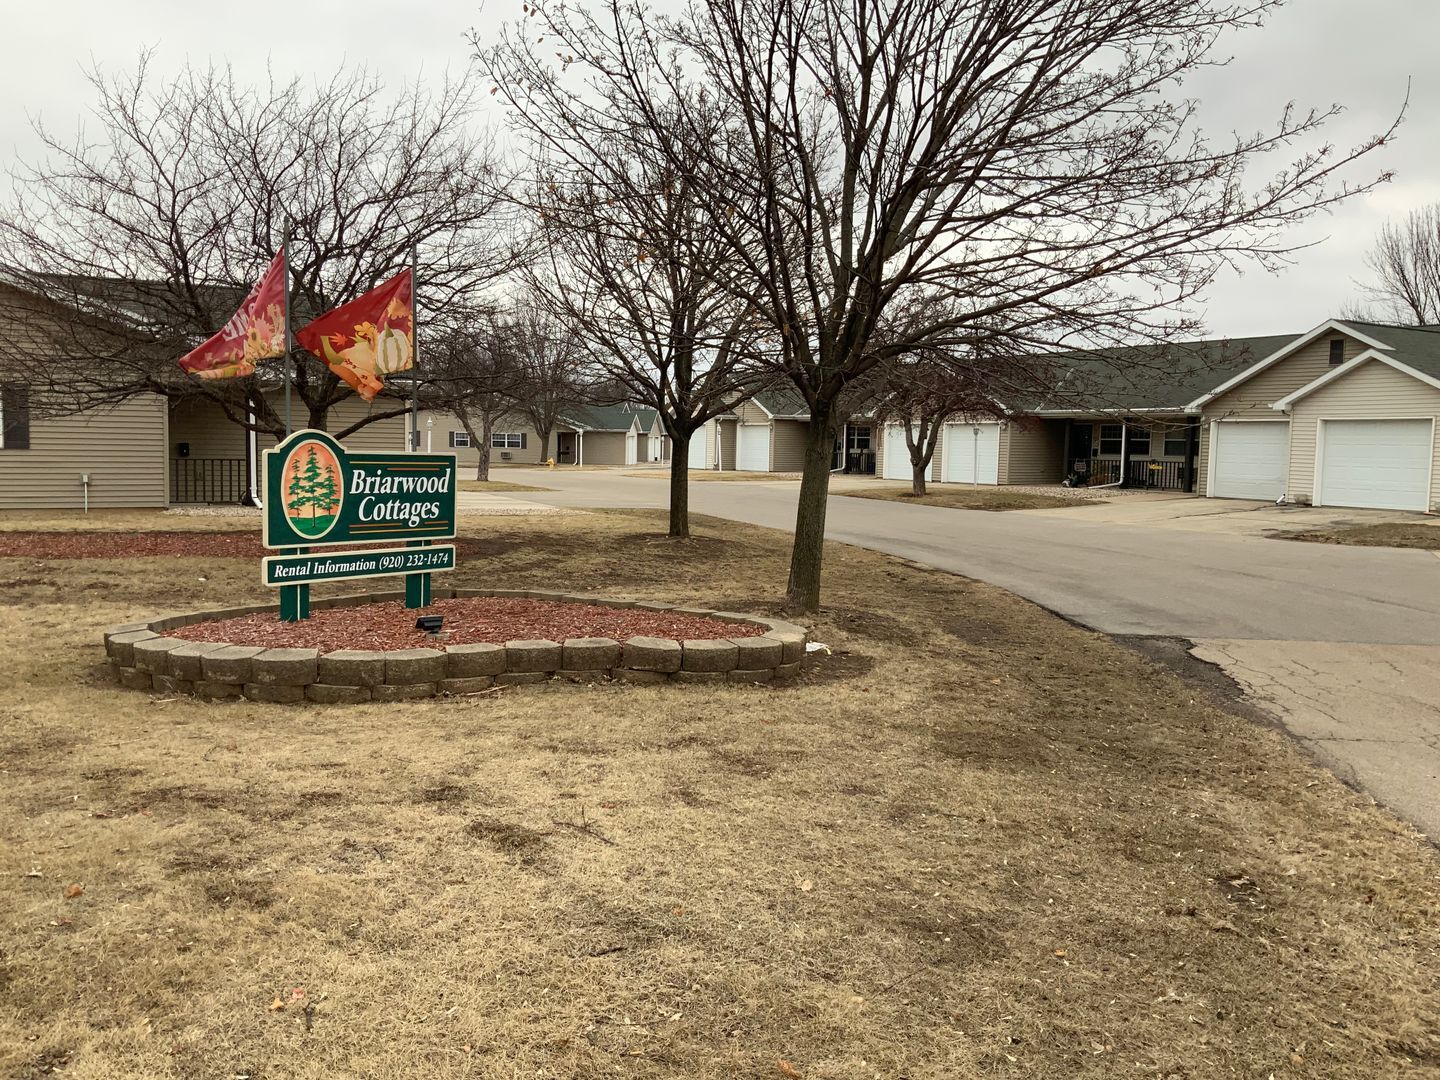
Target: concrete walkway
[[1340, 644]]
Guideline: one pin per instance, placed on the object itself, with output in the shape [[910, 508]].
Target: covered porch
[[1155, 451]]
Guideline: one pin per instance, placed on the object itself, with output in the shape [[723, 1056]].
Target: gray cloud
[[1314, 52]]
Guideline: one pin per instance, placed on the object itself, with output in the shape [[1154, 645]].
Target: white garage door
[[896, 465], [753, 452], [630, 452], [1379, 463], [697, 448], [972, 454], [1251, 459]]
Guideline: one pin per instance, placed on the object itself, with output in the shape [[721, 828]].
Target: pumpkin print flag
[[255, 332], [370, 337]]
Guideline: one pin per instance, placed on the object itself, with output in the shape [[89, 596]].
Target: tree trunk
[[482, 463], [680, 484], [544, 437], [803, 593], [917, 477]]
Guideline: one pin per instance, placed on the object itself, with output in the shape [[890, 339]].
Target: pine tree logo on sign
[[313, 491]]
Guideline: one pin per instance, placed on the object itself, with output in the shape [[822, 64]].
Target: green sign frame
[[318, 494], [339, 565]]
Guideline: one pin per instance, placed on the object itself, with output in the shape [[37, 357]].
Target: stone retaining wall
[[145, 659]]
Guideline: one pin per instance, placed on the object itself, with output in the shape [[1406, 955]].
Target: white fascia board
[[1285, 403], [1328, 326]]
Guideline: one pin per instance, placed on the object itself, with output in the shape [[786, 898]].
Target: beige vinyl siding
[[603, 448], [1032, 452], [1253, 397], [750, 413], [209, 432], [468, 457], [123, 449], [1373, 391], [727, 445], [787, 445]]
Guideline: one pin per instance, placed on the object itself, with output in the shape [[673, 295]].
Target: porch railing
[[207, 480], [1142, 473], [1165, 475]]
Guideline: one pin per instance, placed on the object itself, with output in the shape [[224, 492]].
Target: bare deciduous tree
[[632, 267], [158, 223], [471, 372], [549, 362], [1405, 262], [1031, 163]]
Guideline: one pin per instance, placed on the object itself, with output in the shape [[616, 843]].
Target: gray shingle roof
[[1414, 346], [609, 417], [1147, 377]]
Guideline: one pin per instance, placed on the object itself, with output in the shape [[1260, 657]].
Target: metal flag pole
[[415, 349], [285, 318]]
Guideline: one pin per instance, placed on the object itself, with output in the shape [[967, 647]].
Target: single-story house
[[583, 435]]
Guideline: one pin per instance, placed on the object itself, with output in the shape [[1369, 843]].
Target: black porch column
[[1192, 454]]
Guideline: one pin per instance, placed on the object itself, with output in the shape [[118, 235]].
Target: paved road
[[1300, 626]]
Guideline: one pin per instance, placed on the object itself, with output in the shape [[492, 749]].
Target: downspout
[[252, 459]]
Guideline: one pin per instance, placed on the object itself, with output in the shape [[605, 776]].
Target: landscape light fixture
[[430, 623]]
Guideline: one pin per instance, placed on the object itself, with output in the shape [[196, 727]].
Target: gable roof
[[609, 417], [1413, 351], [782, 402]]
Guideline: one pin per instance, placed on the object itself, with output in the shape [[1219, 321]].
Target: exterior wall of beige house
[[122, 449], [446, 433], [1032, 452], [1374, 391], [1251, 399]]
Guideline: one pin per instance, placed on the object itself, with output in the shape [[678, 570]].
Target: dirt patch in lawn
[[493, 619], [1397, 534], [977, 499], [1005, 848]]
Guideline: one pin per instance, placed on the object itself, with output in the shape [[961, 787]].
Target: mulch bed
[[139, 545], [493, 619]]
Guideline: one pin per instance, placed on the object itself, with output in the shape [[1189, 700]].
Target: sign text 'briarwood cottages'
[[318, 494]]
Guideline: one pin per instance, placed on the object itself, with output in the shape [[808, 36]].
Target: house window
[[1110, 439], [459, 439], [508, 440], [1177, 442], [1140, 441], [1337, 351], [14, 417]]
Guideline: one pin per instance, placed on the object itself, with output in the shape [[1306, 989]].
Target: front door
[[565, 447]]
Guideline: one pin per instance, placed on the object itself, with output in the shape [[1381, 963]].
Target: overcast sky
[[1315, 52]]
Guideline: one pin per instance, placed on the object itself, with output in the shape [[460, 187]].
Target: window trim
[[456, 442], [507, 440], [1117, 439]]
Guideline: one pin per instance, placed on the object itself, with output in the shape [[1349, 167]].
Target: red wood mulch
[[139, 545], [494, 619]]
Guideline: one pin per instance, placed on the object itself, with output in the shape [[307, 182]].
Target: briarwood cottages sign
[[318, 494]]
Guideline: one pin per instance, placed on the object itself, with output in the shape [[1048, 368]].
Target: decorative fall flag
[[370, 337], [255, 332]]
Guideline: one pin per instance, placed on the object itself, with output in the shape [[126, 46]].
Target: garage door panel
[[1381, 464], [752, 453], [697, 449], [972, 454], [896, 465], [1252, 459]]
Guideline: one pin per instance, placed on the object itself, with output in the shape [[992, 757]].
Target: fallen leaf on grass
[[72, 891], [790, 1072], [277, 1004], [1060, 953]]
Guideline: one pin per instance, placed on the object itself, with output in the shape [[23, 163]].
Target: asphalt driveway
[[1340, 644]]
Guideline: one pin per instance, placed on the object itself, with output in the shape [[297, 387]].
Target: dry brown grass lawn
[[975, 842], [498, 486], [714, 475], [1397, 534], [978, 498]]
